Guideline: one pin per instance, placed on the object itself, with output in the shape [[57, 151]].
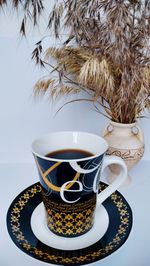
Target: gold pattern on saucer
[[60, 259]]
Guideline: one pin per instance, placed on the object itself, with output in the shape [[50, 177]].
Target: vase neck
[[122, 125]]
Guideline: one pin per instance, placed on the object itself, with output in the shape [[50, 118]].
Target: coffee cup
[[70, 165]]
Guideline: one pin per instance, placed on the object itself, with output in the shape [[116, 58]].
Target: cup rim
[[67, 160]]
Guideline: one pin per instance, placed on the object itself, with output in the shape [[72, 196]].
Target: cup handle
[[117, 182]]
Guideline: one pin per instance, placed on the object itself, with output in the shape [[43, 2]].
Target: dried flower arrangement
[[106, 53]]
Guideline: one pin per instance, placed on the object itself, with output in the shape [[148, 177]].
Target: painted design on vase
[[127, 154], [125, 141]]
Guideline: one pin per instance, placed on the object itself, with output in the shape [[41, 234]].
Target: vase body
[[125, 141]]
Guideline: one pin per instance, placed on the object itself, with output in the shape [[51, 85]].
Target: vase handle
[[137, 131], [108, 129]]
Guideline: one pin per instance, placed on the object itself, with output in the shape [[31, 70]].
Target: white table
[[136, 250]]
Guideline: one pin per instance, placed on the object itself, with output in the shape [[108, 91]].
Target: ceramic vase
[[125, 141]]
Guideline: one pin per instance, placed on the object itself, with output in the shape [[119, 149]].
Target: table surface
[[135, 251]]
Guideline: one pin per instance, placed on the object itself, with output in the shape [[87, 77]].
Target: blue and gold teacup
[[70, 165]]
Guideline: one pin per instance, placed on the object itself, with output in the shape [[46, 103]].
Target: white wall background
[[21, 117]]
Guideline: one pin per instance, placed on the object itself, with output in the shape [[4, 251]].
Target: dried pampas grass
[[106, 52]]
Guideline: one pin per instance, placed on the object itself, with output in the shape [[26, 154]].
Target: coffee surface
[[69, 154]]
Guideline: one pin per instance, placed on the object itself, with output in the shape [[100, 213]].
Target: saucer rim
[[13, 237]]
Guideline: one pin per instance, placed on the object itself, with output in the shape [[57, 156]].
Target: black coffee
[[69, 154]]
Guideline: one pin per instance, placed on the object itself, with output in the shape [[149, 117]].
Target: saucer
[[27, 228]]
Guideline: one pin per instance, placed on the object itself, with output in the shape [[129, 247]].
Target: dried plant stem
[[106, 52]]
